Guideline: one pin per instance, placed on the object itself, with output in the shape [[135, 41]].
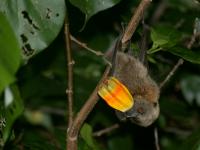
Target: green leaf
[[13, 108], [163, 37], [36, 23], [186, 54], [9, 53], [190, 88], [92, 7], [86, 134]]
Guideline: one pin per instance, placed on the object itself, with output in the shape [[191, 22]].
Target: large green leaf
[[91, 7], [166, 38], [186, 54], [13, 108], [9, 53], [163, 37], [36, 23]]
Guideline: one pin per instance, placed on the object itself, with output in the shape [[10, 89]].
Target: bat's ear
[[118, 47], [143, 45]]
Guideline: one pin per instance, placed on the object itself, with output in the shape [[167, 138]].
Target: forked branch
[[74, 129]]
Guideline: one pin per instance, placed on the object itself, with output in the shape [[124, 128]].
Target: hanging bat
[[130, 90]]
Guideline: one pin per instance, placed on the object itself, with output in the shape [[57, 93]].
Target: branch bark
[[74, 129], [82, 115], [70, 63], [171, 73], [135, 19]]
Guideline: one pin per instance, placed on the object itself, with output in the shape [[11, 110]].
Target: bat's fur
[[134, 75]]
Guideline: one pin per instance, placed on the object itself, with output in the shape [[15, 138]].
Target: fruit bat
[[130, 90]]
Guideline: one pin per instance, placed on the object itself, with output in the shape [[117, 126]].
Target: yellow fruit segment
[[116, 94]]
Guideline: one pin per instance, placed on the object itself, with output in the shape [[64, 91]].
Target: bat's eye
[[155, 104], [116, 94]]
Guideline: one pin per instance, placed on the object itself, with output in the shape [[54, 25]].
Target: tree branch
[[192, 40], [70, 63], [134, 22], [180, 61], [170, 74], [74, 129], [98, 53], [106, 130], [84, 45], [82, 115]]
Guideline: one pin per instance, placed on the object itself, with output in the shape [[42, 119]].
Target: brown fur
[[134, 75]]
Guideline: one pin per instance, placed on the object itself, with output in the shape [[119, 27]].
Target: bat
[[130, 90]]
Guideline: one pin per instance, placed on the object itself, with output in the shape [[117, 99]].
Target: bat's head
[[138, 109], [144, 112]]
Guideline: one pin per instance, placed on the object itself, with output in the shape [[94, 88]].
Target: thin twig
[[137, 16], [192, 40], [156, 139], [84, 45], [180, 62], [82, 115], [106, 130], [70, 63], [159, 11]]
